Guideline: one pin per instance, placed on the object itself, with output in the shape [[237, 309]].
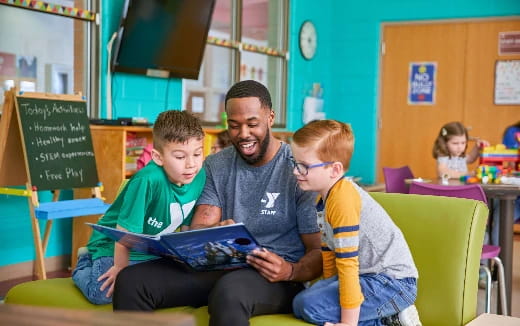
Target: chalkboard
[[57, 142]]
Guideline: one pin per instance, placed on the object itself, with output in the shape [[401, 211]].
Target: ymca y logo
[[177, 214], [269, 203]]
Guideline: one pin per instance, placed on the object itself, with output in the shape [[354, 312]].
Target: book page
[[217, 248]]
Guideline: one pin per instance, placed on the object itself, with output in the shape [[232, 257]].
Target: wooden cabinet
[[110, 150]]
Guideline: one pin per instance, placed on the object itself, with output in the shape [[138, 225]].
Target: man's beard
[[263, 149]]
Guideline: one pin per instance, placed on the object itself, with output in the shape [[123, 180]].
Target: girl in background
[[450, 150]]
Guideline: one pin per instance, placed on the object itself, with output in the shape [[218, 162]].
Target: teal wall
[[17, 244], [133, 95], [346, 64], [351, 36], [303, 73]]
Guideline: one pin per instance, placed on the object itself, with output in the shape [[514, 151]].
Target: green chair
[[444, 235]]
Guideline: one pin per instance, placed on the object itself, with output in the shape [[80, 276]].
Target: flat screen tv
[[162, 38]]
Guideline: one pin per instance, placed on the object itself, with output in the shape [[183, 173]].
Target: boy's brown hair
[[332, 139], [175, 126]]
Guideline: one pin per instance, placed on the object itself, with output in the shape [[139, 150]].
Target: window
[[50, 52], [247, 40]]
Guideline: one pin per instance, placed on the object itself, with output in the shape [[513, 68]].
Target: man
[[250, 182]]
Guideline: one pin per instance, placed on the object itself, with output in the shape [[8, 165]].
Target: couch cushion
[[56, 292], [445, 236], [61, 292]]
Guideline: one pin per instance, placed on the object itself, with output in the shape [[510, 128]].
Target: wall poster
[[509, 43], [421, 83], [507, 82]]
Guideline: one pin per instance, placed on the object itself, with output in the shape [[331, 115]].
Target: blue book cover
[[217, 248]]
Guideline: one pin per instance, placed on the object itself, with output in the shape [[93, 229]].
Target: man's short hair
[[250, 88], [175, 126], [334, 140]]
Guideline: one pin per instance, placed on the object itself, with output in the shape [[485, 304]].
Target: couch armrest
[[445, 236]]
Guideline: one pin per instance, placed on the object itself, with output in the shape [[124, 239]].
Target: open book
[[217, 248]]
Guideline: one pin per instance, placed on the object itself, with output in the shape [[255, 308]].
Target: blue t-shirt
[[267, 199], [510, 139]]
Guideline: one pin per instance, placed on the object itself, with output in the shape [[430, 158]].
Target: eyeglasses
[[303, 169]]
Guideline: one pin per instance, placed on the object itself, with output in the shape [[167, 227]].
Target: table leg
[[506, 246]]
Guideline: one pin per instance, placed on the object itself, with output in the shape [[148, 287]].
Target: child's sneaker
[[407, 317]]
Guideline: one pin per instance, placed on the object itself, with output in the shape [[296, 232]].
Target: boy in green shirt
[[158, 199]]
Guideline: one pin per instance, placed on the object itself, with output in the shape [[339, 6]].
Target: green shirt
[[149, 204]]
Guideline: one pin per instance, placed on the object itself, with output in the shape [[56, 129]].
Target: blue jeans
[[384, 296], [87, 272]]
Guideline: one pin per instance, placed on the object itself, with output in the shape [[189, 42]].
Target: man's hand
[[110, 277], [271, 266]]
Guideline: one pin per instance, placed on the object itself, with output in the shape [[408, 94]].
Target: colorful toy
[[506, 159], [489, 173]]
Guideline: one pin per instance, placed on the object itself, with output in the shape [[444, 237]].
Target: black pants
[[232, 297]]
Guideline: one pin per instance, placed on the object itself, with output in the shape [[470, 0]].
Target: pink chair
[[471, 191], [145, 157], [395, 179]]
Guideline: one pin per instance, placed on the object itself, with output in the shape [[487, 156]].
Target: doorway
[[464, 55]]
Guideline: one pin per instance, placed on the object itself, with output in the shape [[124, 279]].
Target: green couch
[[444, 234]]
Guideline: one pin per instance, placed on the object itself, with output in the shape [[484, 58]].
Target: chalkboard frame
[[56, 141]]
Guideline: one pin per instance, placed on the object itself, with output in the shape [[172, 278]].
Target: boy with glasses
[[369, 277]]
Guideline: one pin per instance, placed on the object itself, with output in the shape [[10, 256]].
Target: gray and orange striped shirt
[[359, 237]]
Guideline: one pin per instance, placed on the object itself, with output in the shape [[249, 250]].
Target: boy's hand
[[110, 277], [271, 266], [226, 222]]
